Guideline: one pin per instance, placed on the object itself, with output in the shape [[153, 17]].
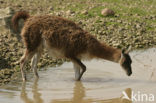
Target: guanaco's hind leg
[[25, 58], [34, 62], [81, 65]]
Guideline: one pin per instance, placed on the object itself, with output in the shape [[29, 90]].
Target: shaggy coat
[[63, 39], [62, 34]]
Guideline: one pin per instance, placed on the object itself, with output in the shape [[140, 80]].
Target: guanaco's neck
[[101, 50]]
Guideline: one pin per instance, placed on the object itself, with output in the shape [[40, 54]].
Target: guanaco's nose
[[129, 73]]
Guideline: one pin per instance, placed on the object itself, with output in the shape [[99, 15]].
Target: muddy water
[[104, 82]]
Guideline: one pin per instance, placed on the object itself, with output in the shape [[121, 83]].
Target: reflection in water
[[79, 94], [36, 94], [128, 93]]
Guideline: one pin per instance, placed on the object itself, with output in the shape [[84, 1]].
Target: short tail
[[17, 16]]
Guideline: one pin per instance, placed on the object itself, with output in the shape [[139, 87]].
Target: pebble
[[107, 12]]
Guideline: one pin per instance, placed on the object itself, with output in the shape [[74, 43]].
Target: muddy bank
[[121, 30]]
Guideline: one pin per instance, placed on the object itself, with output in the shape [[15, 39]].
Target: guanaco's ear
[[122, 53], [128, 50], [122, 56]]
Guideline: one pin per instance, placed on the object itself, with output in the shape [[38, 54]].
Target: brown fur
[[17, 17], [64, 36]]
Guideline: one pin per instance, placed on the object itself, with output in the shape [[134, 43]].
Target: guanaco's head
[[125, 61]]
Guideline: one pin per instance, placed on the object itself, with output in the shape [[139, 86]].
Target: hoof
[[24, 79], [36, 76], [78, 79]]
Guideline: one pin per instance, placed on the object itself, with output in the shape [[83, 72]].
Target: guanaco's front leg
[[77, 70], [77, 63]]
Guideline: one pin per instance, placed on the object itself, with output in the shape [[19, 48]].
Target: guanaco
[[63, 39]]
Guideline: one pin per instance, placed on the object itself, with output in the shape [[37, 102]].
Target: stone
[[85, 12], [107, 12], [5, 17], [51, 8], [69, 12]]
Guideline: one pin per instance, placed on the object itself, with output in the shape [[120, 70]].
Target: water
[[104, 82]]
